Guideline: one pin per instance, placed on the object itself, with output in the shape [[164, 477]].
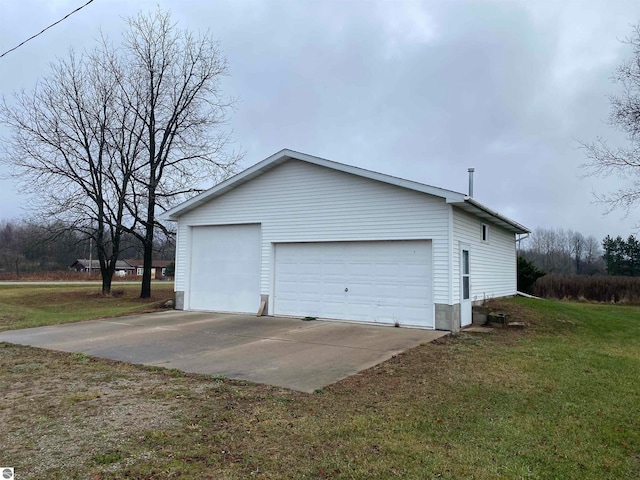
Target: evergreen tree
[[621, 256], [528, 273]]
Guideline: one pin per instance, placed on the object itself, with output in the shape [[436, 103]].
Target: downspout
[[450, 247], [518, 240]]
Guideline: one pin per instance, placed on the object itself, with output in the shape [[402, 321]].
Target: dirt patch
[[506, 405], [66, 409]]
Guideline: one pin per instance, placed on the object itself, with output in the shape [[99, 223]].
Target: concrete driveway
[[287, 352]]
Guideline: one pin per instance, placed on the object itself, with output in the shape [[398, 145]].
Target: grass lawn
[[24, 306], [557, 400]]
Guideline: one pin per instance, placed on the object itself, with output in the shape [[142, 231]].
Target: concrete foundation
[[448, 317], [179, 305], [479, 315]]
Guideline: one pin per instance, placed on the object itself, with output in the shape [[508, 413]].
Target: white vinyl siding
[[492, 262], [301, 202]]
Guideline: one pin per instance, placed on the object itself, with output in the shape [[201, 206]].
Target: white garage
[[381, 282], [303, 236], [225, 268]]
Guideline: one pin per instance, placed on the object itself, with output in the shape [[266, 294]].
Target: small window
[[485, 233], [466, 288], [465, 262], [140, 271]]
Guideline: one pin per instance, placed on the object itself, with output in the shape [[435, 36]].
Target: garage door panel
[[225, 268], [387, 270], [413, 271], [409, 292], [361, 270], [387, 282], [330, 309]]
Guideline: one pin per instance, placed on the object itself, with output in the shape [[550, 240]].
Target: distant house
[[84, 265], [158, 267]]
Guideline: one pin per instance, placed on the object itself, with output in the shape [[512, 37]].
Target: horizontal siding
[[493, 263], [301, 202]]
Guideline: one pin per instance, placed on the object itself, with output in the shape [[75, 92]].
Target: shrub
[[601, 288], [528, 273]]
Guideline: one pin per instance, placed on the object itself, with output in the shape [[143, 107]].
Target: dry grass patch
[[526, 404], [24, 306]]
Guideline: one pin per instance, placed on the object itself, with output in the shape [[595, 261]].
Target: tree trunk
[[102, 256], [106, 284], [146, 273], [148, 248]]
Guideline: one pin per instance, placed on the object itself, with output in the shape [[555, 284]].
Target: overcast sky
[[419, 90]]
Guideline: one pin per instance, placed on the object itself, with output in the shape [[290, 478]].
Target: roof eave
[[479, 210]]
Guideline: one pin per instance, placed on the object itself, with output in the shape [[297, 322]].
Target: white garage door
[[385, 282], [225, 268]]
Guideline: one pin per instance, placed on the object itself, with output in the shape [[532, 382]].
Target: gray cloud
[[420, 90]]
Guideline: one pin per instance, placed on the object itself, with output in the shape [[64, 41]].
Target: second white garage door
[[384, 282]]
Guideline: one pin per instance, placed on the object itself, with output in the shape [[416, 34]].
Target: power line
[[44, 30]]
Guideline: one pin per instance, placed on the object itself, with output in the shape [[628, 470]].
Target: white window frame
[[484, 232], [465, 288], [139, 271]]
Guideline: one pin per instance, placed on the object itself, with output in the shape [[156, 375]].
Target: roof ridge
[[285, 155], [371, 171]]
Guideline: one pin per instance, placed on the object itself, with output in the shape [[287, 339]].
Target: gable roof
[[460, 200]]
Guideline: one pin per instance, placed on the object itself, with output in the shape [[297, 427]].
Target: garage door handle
[[346, 289]]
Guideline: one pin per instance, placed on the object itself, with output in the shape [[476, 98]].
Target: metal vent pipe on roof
[[471, 170]]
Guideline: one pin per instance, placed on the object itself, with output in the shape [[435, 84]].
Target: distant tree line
[[27, 246], [557, 263], [563, 252]]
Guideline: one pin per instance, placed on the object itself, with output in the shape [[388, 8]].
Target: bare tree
[[550, 251], [11, 255], [564, 251], [117, 135], [576, 247], [29, 247], [169, 85], [59, 149], [623, 162], [592, 250]]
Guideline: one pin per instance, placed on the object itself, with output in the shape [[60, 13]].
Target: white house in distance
[[298, 235]]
